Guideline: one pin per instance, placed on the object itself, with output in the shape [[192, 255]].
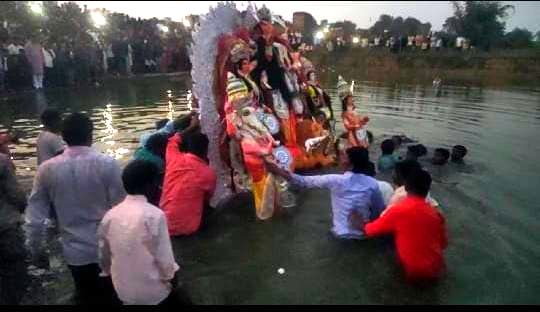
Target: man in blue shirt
[[352, 191]]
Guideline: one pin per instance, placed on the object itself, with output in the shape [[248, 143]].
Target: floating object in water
[[281, 271]]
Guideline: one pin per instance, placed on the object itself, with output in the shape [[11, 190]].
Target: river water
[[494, 239]]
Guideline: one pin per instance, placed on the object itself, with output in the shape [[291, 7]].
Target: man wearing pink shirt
[[134, 244], [189, 181]]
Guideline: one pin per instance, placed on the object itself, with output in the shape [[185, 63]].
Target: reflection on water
[[170, 106], [111, 131], [490, 203]]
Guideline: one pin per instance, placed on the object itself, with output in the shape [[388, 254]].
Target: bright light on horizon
[[325, 29], [163, 28], [36, 7], [355, 40], [99, 20], [187, 24], [319, 35]]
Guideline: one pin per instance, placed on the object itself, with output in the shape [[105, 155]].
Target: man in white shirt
[[134, 244], [82, 184], [386, 188], [401, 171], [49, 142]]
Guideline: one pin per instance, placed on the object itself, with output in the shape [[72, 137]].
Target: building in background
[[305, 24]]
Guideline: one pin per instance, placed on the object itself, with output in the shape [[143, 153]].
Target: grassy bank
[[496, 68]]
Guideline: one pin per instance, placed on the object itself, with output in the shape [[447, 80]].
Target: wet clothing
[[349, 192], [400, 193], [135, 249], [387, 162], [144, 154], [90, 287], [420, 234], [48, 145], [13, 277], [167, 129], [82, 184], [12, 197], [189, 183], [386, 191]]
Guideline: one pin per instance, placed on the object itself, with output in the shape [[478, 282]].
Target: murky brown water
[[489, 203]]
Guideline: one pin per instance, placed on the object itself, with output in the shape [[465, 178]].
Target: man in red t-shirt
[[418, 228], [189, 181]]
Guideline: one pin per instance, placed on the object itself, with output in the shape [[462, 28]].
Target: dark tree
[[519, 39], [480, 21]]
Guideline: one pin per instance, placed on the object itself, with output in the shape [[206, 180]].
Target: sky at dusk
[[364, 14]]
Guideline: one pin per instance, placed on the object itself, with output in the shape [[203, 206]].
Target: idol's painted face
[[267, 27], [245, 67], [312, 77]]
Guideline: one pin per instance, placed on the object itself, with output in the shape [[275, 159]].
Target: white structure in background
[[459, 42], [364, 42], [330, 46]]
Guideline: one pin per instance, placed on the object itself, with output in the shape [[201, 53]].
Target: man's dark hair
[[369, 136], [417, 150], [444, 152], [161, 123], [387, 147], [359, 158], [182, 122], [138, 175], [397, 140], [344, 103], [458, 152], [418, 183], [157, 144], [370, 170], [51, 119], [403, 169], [196, 143], [77, 129]]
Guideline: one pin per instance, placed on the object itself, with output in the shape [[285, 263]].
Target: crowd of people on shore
[[402, 43], [39, 63], [116, 224]]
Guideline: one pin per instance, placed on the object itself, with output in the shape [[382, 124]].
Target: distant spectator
[[34, 54]]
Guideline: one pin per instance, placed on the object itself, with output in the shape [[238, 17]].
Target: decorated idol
[[250, 96], [354, 123]]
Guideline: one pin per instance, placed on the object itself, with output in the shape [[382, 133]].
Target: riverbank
[[471, 68]]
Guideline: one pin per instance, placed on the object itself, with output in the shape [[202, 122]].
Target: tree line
[[481, 22]]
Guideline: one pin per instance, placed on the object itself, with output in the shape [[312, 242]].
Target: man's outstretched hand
[[272, 167]]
